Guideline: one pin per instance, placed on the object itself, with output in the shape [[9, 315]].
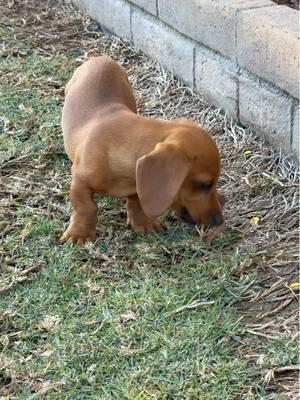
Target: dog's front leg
[[139, 220], [82, 226]]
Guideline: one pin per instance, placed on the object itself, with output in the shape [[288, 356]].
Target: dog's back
[[97, 87], [101, 81]]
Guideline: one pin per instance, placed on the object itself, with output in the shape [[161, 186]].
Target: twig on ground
[[194, 304], [270, 375]]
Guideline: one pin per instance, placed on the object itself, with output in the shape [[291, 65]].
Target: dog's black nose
[[217, 220]]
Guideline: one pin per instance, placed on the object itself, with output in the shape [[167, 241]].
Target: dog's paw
[[147, 225], [78, 235]]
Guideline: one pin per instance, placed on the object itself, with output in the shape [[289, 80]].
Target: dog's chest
[[122, 174], [121, 162]]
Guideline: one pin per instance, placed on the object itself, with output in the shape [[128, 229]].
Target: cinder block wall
[[240, 55]]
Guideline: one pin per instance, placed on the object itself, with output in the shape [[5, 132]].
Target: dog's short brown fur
[[115, 152]]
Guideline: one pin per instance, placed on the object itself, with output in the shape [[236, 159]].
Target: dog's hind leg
[[82, 226]]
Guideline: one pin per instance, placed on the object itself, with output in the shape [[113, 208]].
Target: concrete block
[[268, 45], [296, 132], [210, 22], [147, 5], [114, 15], [265, 110], [164, 45], [217, 80]]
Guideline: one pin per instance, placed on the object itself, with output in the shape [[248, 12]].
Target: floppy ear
[[159, 176]]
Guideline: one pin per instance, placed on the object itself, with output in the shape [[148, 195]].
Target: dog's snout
[[217, 220]]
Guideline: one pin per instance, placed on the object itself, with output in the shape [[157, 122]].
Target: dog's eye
[[203, 186]]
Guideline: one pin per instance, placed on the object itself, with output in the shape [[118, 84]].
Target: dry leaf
[[129, 316], [294, 285], [49, 323], [255, 220], [95, 288]]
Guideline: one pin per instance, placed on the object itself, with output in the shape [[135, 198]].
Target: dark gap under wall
[[289, 3]]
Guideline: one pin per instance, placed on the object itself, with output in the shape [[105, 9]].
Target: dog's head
[[182, 173]]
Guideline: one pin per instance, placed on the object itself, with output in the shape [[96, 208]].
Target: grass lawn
[[130, 316]]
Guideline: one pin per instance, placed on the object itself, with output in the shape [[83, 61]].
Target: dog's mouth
[[185, 216]]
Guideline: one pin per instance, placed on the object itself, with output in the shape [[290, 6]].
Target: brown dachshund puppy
[[115, 152]]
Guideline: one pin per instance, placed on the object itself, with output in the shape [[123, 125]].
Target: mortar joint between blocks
[[194, 68], [157, 8], [238, 93], [294, 105], [130, 24]]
